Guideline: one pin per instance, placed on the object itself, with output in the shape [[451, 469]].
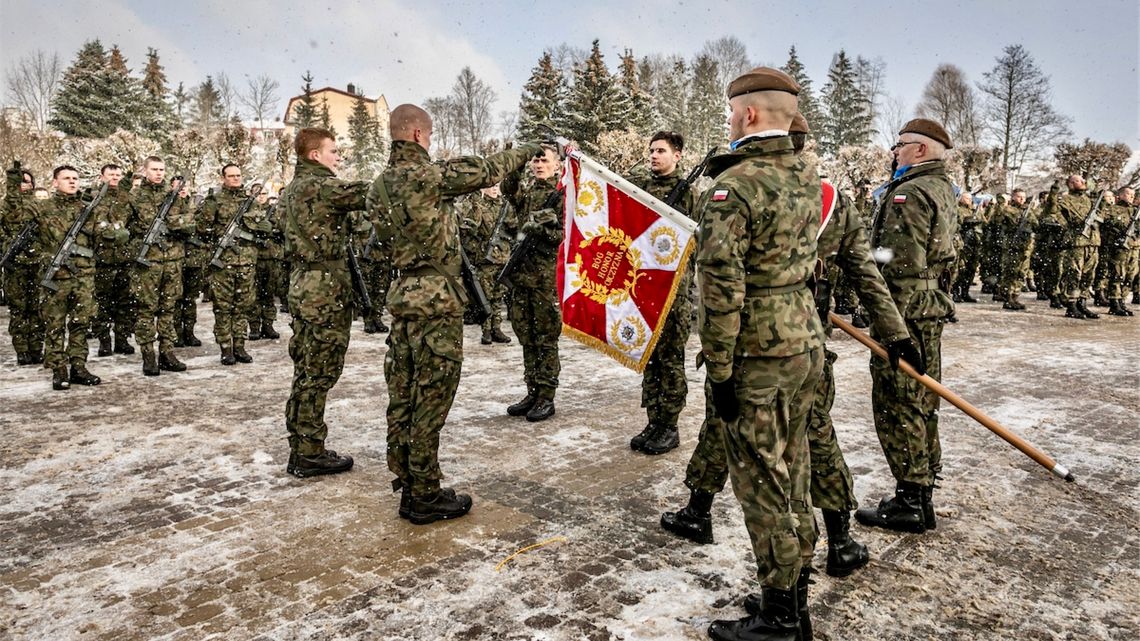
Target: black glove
[[724, 400], [14, 175], [907, 350]]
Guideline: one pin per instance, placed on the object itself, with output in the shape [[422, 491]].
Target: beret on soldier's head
[[928, 128], [763, 79], [799, 125]]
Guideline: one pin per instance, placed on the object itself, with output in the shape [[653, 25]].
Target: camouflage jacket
[[843, 243], [1117, 218], [16, 212], [1071, 210], [1008, 218], [536, 270], [756, 250], [272, 247], [413, 205], [146, 199], [113, 213], [216, 212], [478, 216], [316, 206], [54, 218]]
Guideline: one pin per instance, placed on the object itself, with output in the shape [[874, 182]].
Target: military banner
[[830, 197], [620, 263]]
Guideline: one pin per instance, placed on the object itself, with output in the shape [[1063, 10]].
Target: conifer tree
[[325, 120], [847, 117], [543, 99], [82, 106], [808, 104], [305, 112], [706, 106], [207, 113], [367, 144], [672, 98], [595, 104], [641, 105], [156, 118], [123, 92]]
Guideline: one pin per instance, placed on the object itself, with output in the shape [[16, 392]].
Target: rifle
[[70, 248], [157, 229], [1093, 217], [358, 287], [19, 243], [683, 186], [503, 211], [526, 244], [366, 252], [233, 230], [474, 289], [1022, 230], [1129, 233]]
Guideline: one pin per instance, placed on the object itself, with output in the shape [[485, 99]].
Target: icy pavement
[[158, 508]]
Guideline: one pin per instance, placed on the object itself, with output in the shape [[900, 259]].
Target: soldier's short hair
[[227, 166], [109, 167], [672, 138], [62, 168], [30, 178], [309, 139], [152, 159], [1017, 190]]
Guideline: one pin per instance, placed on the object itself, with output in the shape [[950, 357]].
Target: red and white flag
[[830, 198], [620, 263]]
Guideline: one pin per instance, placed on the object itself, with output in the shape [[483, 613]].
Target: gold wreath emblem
[[628, 334], [666, 245], [599, 292], [590, 198]]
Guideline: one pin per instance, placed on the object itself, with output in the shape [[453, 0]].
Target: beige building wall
[[341, 103]]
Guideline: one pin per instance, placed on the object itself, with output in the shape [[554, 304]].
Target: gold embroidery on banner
[[620, 264], [628, 334], [591, 198], [665, 245]]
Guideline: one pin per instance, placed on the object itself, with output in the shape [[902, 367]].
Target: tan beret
[[799, 125], [928, 128], [763, 79]]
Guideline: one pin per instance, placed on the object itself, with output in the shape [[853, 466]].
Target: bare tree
[[950, 100], [473, 100], [445, 126], [893, 114], [871, 76], [260, 97], [1018, 110], [731, 57], [32, 83], [227, 96], [508, 124], [566, 57]]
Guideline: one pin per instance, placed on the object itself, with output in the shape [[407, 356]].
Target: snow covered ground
[[158, 508]]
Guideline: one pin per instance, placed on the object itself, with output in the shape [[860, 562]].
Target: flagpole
[[637, 193]]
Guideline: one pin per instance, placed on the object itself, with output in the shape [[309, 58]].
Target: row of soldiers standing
[[141, 258]]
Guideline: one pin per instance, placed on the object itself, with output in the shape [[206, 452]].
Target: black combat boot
[[1013, 303], [844, 554], [694, 521], [542, 410], [1089, 314], [1030, 286], [36, 356], [1071, 310], [987, 288], [228, 355], [22, 358], [1115, 308], [928, 517], [122, 345], [859, 319], [778, 620], [1136, 298], [443, 504], [381, 327], [754, 604], [964, 294], [268, 332], [80, 375], [956, 294], [1056, 303], [59, 380], [254, 332], [188, 338], [105, 348], [179, 335], [498, 336], [486, 339], [240, 355], [522, 407], [843, 308], [150, 363], [636, 442], [1120, 306], [1099, 299], [663, 440], [370, 326], [169, 362], [902, 512], [327, 462], [1041, 295], [405, 510]]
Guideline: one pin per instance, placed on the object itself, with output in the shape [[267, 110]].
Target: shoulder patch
[[719, 195]]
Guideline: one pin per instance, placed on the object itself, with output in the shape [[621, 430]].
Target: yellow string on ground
[[557, 539]]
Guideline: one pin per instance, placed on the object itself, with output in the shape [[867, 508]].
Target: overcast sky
[[411, 50]]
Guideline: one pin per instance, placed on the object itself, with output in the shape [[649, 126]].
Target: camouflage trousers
[[378, 279], [1045, 261], [266, 282], [832, 487], [115, 307], [422, 368], [157, 290], [25, 320], [318, 353], [990, 265], [844, 293], [537, 322], [67, 315], [1078, 270], [232, 295], [494, 291], [769, 462], [663, 385], [194, 282], [906, 412], [1118, 268], [969, 258], [1131, 280], [1015, 266]]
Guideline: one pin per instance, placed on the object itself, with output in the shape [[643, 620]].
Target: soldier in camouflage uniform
[[1117, 249], [69, 308], [267, 276], [1050, 250], [412, 204], [663, 384], [376, 268], [970, 222], [913, 240], [195, 282], [232, 281], [316, 207], [990, 267], [157, 288], [479, 213], [761, 340], [1080, 254], [1016, 221], [21, 275], [113, 266], [534, 311]]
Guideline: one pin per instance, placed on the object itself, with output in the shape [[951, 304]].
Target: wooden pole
[[1025, 446]]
